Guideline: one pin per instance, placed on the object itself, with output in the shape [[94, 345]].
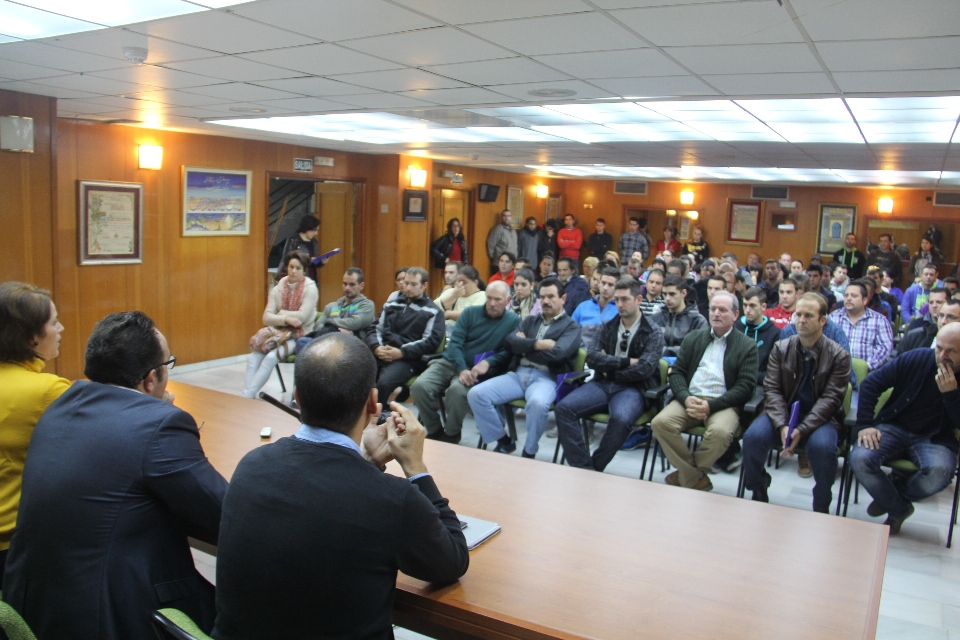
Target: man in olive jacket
[[813, 370], [714, 375]]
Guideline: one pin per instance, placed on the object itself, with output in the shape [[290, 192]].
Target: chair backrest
[[443, 343], [581, 360], [882, 400], [176, 624], [861, 368], [664, 368], [847, 397], [13, 625]]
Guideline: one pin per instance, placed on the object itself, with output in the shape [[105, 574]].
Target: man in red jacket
[[569, 240], [781, 314]]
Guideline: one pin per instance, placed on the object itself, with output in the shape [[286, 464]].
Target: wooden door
[[335, 209], [450, 203]]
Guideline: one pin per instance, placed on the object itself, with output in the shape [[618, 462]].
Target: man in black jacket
[[600, 241], [115, 481], [410, 327], [626, 358], [576, 288], [677, 318], [544, 347], [922, 337], [313, 531]]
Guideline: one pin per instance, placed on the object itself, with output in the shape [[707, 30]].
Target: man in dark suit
[[313, 531], [115, 481]]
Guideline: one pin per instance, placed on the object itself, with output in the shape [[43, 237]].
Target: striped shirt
[[708, 381], [648, 307], [871, 338]]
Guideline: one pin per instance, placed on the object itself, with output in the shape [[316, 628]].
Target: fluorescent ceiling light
[[518, 134], [24, 22], [217, 4], [114, 13]]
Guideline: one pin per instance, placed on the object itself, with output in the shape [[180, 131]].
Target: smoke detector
[[136, 55]]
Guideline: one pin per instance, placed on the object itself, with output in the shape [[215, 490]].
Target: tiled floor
[[921, 587]]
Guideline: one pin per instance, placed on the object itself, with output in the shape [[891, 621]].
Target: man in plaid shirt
[[632, 241], [869, 333]]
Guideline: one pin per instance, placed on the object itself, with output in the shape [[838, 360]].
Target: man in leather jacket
[[814, 371]]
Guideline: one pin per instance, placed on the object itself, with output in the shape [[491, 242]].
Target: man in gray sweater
[[501, 238]]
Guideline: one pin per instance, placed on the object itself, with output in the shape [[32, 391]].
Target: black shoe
[[403, 395], [896, 522], [446, 437], [505, 445], [527, 455], [760, 493], [874, 510]]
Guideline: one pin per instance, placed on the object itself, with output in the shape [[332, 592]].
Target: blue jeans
[[537, 387], [937, 464], [820, 447], [623, 403]]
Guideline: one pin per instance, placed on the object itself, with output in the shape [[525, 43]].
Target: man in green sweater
[[479, 330], [714, 376]]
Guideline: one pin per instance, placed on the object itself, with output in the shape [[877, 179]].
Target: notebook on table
[[477, 531]]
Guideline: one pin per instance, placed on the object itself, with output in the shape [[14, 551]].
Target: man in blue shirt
[[592, 313], [917, 422], [916, 295]]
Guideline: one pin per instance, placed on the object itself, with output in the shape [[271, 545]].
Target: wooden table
[[590, 555]]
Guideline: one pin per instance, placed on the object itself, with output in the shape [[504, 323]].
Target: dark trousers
[[623, 403], [396, 374]]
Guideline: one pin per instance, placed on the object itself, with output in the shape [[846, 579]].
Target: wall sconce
[[417, 177], [671, 212], [693, 215], [151, 156], [885, 205], [543, 191], [686, 197]]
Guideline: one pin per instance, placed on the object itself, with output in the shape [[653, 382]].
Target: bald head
[[948, 345], [498, 295], [334, 377]]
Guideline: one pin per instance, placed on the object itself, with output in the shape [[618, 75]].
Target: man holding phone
[[814, 371]]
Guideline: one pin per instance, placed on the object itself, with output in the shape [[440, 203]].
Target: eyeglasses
[[624, 340], [169, 364]]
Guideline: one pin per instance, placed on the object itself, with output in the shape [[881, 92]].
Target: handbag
[[269, 338]]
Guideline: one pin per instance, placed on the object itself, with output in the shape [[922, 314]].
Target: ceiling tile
[[335, 20], [177, 98], [382, 101], [655, 87], [503, 71], [110, 43], [522, 91], [155, 76], [247, 109], [470, 95], [613, 64], [232, 68], [429, 47], [45, 55], [884, 55], [84, 106], [899, 81], [220, 31], [750, 84], [875, 19], [311, 105], [322, 60], [753, 58], [712, 24], [311, 86], [22, 71], [44, 90], [241, 91], [558, 34], [93, 84], [467, 11], [399, 80], [631, 4]]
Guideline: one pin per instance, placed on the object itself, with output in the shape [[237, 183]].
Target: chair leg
[[646, 453], [653, 463], [480, 444], [741, 490], [856, 493], [556, 451], [511, 423], [846, 493], [283, 387], [953, 515], [769, 458], [843, 483]]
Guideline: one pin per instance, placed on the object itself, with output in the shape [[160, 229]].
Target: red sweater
[[673, 246], [499, 277], [570, 241], [779, 316]]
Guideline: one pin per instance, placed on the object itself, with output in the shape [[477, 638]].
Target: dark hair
[[526, 274], [673, 280], [308, 223], [771, 261], [570, 263], [601, 220], [659, 272], [788, 281], [529, 218], [513, 258], [802, 281], [885, 235], [24, 310], [643, 222], [756, 292], [552, 223], [951, 280], [860, 285], [334, 375], [399, 271], [938, 290], [707, 263], [420, 271], [299, 256], [355, 271], [718, 278], [678, 263], [631, 284], [469, 272], [930, 266], [730, 254], [553, 282], [568, 214], [816, 268], [634, 219], [123, 349], [455, 263], [610, 271], [450, 227]]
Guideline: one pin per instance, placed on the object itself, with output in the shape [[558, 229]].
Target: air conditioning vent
[[770, 192], [630, 188], [946, 198]]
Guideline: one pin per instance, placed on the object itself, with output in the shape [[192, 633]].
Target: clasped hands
[[388, 354], [470, 377], [697, 408], [400, 438]]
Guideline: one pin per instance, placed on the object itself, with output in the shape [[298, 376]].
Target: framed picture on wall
[[836, 221], [415, 205], [110, 223], [216, 202], [515, 204], [743, 221], [554, 206], [684, 232]]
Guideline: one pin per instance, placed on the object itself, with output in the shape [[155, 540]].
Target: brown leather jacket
[[830, 378]]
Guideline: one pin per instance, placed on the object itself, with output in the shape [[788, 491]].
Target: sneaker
[[636, 440], [734, 464], [804, 470], [896, 522], [875, 511]]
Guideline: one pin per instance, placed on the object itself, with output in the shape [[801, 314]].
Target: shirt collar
[[326, 436], [555, 318], [722, 338]]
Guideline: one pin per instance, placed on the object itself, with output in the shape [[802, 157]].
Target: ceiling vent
[[770, 192], [630, 188], [946, 199]]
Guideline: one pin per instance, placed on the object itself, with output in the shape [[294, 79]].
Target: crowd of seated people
[[137, 481]]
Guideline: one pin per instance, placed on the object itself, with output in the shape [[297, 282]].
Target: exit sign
[[303, 164]]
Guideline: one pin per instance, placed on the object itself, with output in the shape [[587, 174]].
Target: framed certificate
[[110, 223], [743, 221]]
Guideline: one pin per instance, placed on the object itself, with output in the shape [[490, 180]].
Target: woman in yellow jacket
[[29, 337]]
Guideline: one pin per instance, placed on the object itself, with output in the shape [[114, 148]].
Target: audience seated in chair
[[923, 336], [677, 318], [353, 313], [599, 308], [870, 333]]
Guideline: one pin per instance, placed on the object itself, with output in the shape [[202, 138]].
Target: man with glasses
[[115, 481], [922, 337]]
